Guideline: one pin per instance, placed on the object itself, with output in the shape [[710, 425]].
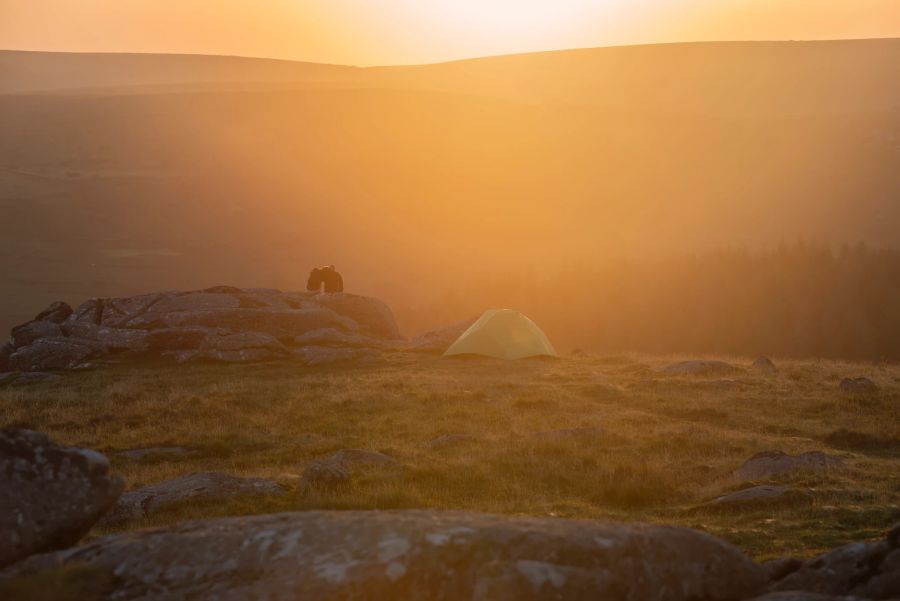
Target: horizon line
[[451, 60]]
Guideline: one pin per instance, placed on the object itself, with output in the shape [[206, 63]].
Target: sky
[[381, 32]]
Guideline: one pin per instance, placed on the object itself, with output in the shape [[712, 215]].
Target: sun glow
[[509, 16], [505, 25], [378, 32]]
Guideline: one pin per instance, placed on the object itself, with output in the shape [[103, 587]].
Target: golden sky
[[368, 32]]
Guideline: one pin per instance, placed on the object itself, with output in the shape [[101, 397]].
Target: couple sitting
[[326, 276]]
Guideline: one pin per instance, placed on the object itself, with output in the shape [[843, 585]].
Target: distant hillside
[[746, 78], [25, 72], [422, 182], [743, 78]]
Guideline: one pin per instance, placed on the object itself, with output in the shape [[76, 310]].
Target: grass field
[[665, 445]]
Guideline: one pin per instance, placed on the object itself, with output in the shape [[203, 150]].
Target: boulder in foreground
[[50, 495], [414, 555], [867, 570]]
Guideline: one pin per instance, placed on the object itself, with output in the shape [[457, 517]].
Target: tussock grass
[[665, 445]]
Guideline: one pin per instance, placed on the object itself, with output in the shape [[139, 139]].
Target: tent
[[504, 334]]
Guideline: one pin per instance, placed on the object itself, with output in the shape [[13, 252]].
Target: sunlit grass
[[662, 446]]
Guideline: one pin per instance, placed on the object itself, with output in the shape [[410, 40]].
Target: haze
[[364, 32]]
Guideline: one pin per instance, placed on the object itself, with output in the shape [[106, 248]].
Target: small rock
[[777, 463], [858, 385], [757, 495], [50, 495], [697, 368], [146, 501], [323, 475], [338, 468], [764, 365]]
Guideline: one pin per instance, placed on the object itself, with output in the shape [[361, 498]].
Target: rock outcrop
[[146, 501], [858, 385], [764, 365], [414, 555], [50, 495], [217, 324], [337, 469], [777, 463], [439, 340], [867, 570]]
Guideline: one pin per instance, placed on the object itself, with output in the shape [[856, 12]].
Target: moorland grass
[[665, 445]]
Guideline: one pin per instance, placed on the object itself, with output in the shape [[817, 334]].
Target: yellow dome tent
[[504, 334]]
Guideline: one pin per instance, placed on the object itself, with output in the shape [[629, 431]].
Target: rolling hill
[[123, 173]]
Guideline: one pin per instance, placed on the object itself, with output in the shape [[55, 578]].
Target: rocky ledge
[[217, 324], [413, 555]]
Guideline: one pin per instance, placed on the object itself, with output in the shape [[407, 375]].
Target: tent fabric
[[504, 334]]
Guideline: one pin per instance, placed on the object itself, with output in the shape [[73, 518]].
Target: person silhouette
[[327, 276]]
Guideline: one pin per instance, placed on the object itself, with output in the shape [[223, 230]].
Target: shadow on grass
[[861, 442]]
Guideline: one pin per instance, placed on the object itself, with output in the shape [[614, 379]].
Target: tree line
[[799, 300]]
